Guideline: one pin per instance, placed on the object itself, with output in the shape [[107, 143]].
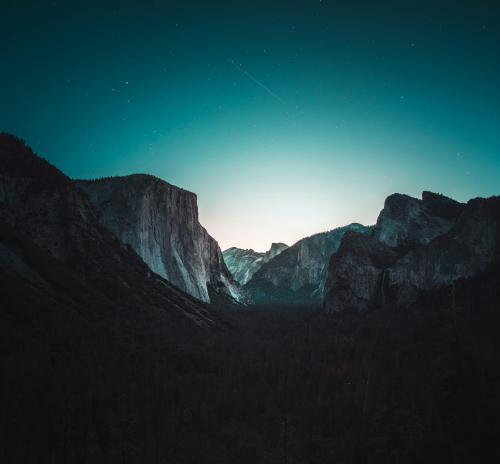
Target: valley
[[124, 336]]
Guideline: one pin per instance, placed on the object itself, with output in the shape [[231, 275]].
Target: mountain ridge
[[243, 263], [43, 206], [297, 275], [415, 247]]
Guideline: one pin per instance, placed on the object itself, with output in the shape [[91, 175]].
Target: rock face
[[55, 252], [356, 270], [407, 221], [160, 222], [275, 250], [298, 274], [416, 246], [243, 264]]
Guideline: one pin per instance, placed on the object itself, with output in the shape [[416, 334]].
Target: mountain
[[275, 250], [243, 264], [46, 219], [417, 246], [104, 361], [405, 221], [297, 275], [160, 222], [85, 326]]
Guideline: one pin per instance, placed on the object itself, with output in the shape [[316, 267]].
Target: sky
[[285, 118]]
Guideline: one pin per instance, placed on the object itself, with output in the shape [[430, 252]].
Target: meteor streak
[[256, 81]]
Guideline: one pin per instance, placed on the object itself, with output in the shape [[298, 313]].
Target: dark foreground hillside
[[278, 386]]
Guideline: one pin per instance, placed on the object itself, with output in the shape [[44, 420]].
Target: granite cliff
[[297, 275], [416, 246], [55, 251], [244, 263], [160, 222]]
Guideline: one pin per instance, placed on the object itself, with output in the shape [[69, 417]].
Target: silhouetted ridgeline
[[106, 179], [103, 361], [18, 160]]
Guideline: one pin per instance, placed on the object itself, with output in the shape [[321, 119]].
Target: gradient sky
[[286, 118]]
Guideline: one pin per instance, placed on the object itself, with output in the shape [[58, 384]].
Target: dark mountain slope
[[40, 204], [83, 320]]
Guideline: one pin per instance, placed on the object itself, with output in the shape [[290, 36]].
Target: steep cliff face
[[243, 264], [356, 273], [160, 222], [467, 249], [407, 221], [297, 275], [420, 246], [54, 251]]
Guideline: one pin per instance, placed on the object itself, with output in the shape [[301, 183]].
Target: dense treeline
[[276, 386]]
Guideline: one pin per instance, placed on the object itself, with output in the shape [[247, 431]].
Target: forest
[[272, 385]]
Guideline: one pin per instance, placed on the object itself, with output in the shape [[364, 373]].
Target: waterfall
[[383, 286]]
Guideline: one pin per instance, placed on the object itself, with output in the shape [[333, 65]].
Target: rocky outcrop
[[244, 263], [467, 249], [275, 250], [160, 222], [54, 251], [416, 246], [366, 258], [297, 275], [406, 221]]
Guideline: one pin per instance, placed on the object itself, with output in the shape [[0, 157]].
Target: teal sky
[[286, 118]]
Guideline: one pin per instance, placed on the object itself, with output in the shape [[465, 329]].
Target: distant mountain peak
[[244, 263]]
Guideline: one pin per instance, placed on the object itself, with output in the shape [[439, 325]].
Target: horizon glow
[[285, 118]]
